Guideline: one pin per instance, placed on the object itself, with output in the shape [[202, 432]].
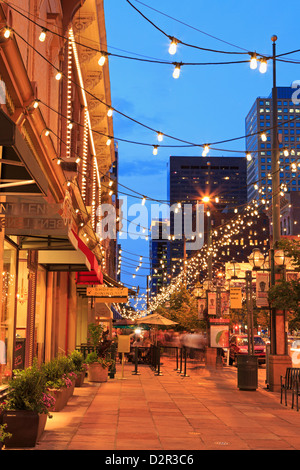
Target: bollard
[[176, 359], [185, 355], [180, 369], [136, 362], [158, 361]]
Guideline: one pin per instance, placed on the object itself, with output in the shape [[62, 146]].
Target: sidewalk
[[205, 411]]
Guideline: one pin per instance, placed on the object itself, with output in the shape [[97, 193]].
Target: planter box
[[61, 396], [26, 428], [80, 379], [70, 390], [96, 373]]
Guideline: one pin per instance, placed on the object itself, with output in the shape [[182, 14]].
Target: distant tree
[[285, 295], [182, 307]]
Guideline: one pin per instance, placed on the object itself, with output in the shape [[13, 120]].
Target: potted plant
[[97, 367], [99, 360], [80, 367], [25, 411], [60, 380], [4, 435]]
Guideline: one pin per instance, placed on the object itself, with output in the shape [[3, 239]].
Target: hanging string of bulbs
[[159, 134]]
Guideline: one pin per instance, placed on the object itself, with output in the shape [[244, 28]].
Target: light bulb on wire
[[110, 112], [253, 62], [155, 147], [102, 59], [7, 33], [263, 65], [176, 72], [160, 136], [205, 150], [173, 46], [263, 137], [58, 75], [42, 36]]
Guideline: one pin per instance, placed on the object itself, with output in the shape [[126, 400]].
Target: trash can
[[247, 371]]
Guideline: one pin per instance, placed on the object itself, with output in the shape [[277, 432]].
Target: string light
[[110, 112], [160, 136], [69, 97], [249, 157], [263, 137], [263, 65], [173, 46], [102, 59], [205, 150], [42, 36], [58, 75], [155, 147], [7, 33], [253, 62], [108, 142], [176, 72]]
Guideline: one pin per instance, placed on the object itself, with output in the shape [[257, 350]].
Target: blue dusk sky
[[205, 104]]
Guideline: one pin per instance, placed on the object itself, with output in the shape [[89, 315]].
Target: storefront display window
[[7, 311], [22, 306], [40, 311]]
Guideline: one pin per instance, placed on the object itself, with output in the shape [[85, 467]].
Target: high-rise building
[[158, 255], [223, 179], [258, 121]]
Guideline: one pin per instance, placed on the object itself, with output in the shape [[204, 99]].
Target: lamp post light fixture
[[279, 360], [198, 290], [234, 269], [256, 259]]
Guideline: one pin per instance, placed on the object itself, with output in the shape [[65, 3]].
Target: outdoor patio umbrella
[[156, 319]]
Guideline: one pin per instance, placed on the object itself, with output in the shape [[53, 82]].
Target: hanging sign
[[212, 303], [103, 291], [262, 287], [224, 303], [108, 294], [201, 308], [235, 297]]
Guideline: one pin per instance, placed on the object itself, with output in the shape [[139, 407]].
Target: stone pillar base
[[277, 367]]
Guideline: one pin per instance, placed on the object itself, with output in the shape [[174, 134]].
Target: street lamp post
[[279, 360]]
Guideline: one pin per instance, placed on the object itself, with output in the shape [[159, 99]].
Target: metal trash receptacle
[[247, 372]]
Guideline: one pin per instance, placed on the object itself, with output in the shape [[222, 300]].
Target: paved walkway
[[204, 411]]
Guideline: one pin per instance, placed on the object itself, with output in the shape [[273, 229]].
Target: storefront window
[[40, 314], [7, 312], [22, 303]]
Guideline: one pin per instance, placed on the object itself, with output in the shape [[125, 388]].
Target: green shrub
[[27, 390], [78, 361]]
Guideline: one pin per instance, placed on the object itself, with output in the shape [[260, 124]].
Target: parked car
[[238, 344]]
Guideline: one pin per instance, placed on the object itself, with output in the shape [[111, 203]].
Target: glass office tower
[[258, 121]]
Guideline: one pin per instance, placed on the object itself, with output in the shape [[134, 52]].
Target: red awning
[[94, 275]]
